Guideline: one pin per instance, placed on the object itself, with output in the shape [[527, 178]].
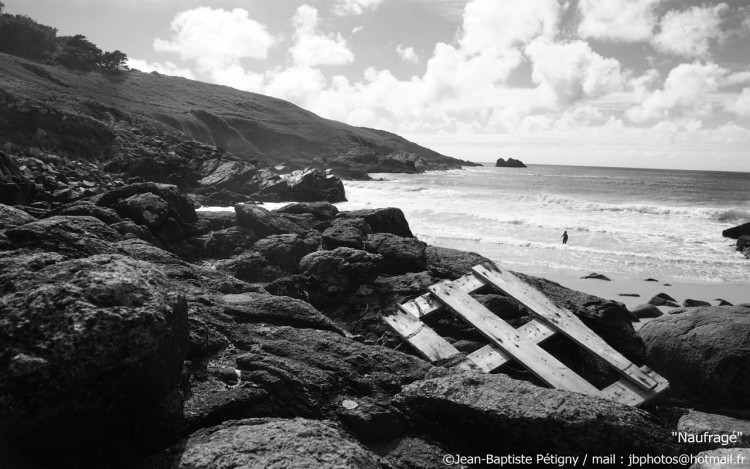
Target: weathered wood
[[427, 304], [562, 319], [510, 340], [626, 392], [490, 358], [424, 340]]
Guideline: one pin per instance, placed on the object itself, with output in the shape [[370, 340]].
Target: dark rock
[[11, 217], [321, 210], [73, 236], [215, 221], [511, 163], [532, 420], [341, 270], [129, 229], [400, 255], [15, 187], [88, 345], [264, 222], [285, 250], [274, 443], [596, 276], [662, 299], [647, 311], [227, 242], [370, 420], [703, 353], [278, 310], [382, 220], [743, 245], [345, 232], [144, 209], [311, 184], [723, 302], [84, 209], [451, 263], [651, 280], [180, 207], [231, 175], [633, 295], [737, 231], [688, 303], [251, 267]]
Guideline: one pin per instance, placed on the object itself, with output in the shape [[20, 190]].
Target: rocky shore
[[137, 332]]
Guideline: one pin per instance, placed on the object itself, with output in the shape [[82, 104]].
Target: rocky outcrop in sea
[[510, 163]]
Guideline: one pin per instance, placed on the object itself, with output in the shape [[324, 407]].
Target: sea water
[[632, 223]]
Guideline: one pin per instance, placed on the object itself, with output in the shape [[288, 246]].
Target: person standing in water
[[565, 237]]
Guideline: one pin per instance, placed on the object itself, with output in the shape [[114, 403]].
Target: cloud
[[311, 47], [741, 106], [567, 73], [685, 91], [354, 7], [690, 33], [407, 54], [166, 68], [216, 38], [617, 20]]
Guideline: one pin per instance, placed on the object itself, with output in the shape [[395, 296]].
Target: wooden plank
[[424, 340], [427, 304], [490, 358], [504, 336], [626, 392], [565, 321]]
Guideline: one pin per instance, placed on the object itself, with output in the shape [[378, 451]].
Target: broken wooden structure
[[636, 386]]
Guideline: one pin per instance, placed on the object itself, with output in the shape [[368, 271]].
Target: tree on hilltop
[[24, 37], [113, 61]]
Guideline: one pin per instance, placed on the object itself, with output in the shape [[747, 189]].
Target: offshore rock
[[737, 231], [511, 163]]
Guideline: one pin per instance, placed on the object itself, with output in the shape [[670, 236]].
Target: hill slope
[[247, 124]]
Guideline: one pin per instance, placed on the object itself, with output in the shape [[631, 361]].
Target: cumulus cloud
[[741, 106], [311, 47], [570, 72], [685, 91], [407, 54], [690, 33], [166, 68], [617, 20], [354, 7], [216, 39]]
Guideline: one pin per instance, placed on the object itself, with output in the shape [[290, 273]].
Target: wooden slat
[[625, 392], [424, 340], [504, 336], [565, 321], [490, 358], [427, 304]]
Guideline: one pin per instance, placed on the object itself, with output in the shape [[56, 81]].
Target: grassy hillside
[[247, 124]]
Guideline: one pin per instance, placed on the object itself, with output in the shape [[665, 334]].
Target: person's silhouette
[[565, 237]]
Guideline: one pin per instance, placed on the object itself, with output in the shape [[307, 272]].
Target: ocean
[[621, 222]]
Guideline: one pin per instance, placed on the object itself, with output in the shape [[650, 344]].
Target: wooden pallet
[[636, 386]]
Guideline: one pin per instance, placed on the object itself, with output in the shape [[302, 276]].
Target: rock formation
[[510, 163]]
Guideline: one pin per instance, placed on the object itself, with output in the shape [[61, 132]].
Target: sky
[[632, 83]]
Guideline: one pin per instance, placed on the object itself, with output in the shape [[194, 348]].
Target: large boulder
[[264, 222], [180, 207], [451, 264], [250, 266], [323, 211], [382, 220], [532, 420], [144, 209], [400, 255], [345, 232], [286, 250], [72, 236], [228, 242], [274, 444], [703, 353], [737, 231], [311, 184], [341, 270], [10, 217], [87, 346]]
